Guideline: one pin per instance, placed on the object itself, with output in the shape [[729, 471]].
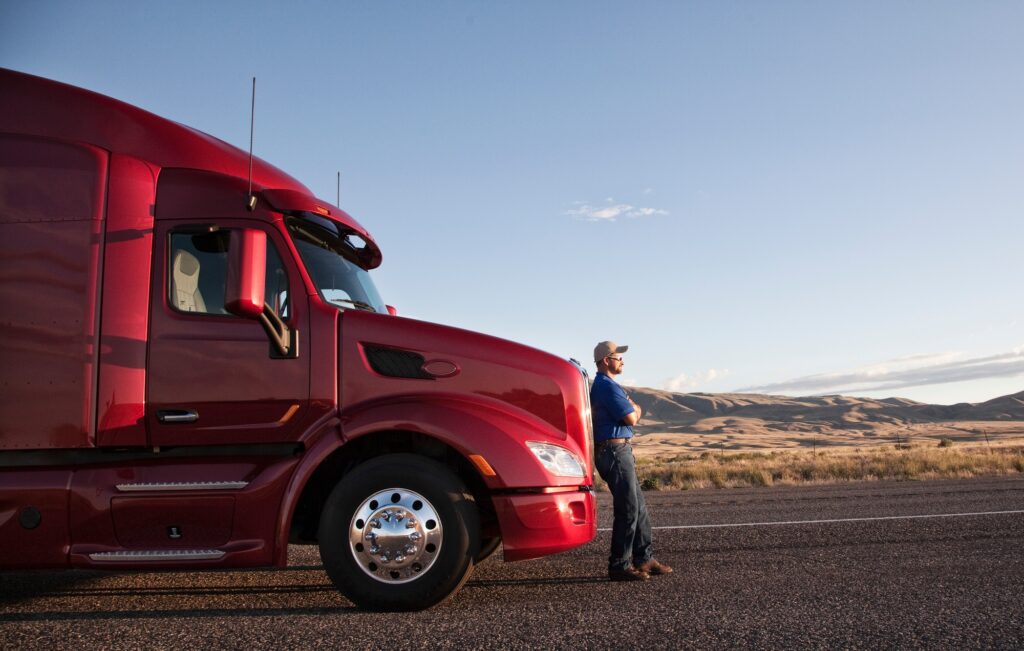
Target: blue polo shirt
[[608, 406]]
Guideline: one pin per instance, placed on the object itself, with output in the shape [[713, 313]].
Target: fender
[[472, 425], [476, 425], [323, 438]]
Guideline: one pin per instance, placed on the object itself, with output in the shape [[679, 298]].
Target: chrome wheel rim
[[395, 535]]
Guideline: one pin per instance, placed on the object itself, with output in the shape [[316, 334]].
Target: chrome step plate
[[159, 555]]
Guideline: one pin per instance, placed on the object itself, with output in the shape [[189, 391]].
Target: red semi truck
[[196, 374]]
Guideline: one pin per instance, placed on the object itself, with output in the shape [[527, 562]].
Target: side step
[[158, 555], [182, 486]]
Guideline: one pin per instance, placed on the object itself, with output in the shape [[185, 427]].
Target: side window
[[198, 274]]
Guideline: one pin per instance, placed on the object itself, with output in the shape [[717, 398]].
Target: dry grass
[[790, 467]]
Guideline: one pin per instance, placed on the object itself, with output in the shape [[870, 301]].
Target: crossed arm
[[634, 417]]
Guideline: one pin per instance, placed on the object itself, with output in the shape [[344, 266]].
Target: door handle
[[177, 415]]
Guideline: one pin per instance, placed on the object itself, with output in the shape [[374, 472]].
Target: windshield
[[330, 253]]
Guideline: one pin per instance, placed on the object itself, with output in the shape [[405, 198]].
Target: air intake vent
[[393, 362]]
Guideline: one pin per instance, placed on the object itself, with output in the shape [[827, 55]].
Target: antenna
[[251, 202], [337, 194]]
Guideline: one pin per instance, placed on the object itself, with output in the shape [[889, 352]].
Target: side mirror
[[392, 310], [244, 295], [247, 270]]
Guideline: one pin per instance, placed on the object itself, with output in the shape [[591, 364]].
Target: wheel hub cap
[[395, 535]]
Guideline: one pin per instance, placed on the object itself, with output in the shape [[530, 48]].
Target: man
[[614, 415]]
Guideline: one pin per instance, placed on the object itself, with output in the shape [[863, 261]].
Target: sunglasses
[[617, 359]]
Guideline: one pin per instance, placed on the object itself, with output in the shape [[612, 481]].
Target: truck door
[[213, 377]]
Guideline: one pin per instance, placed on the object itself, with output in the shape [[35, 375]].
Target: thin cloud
[[685, 382], [610, 211], [904, 372]]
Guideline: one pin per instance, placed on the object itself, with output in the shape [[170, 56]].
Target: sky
[[796, 198]]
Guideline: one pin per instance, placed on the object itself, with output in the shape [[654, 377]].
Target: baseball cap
[[606, 348]]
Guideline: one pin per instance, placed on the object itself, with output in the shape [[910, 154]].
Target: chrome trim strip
[[159, 555], [154, 487]]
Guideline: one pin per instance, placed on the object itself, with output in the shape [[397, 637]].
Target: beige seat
[[185, 283]]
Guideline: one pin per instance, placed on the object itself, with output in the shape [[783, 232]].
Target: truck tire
[[487, 548], [399, 532]]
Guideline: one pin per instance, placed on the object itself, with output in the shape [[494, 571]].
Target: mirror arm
[[275, 329]]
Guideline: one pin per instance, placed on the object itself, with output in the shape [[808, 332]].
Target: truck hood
[[386, 356]]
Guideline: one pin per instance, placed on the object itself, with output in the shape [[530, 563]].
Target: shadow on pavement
[[183, 591], [493, 583], [19, 586], [171, 614]]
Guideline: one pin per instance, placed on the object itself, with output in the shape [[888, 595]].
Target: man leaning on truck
[[614, 414]]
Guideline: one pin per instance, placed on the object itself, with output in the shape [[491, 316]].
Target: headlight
[[556, 459]]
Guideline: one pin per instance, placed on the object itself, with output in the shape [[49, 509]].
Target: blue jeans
[[631, 529]]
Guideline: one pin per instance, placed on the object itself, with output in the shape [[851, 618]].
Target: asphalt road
[[856, 582]]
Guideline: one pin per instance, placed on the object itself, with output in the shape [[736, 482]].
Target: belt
[[612, 442]]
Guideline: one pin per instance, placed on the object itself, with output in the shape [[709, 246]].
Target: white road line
[[884, 517]]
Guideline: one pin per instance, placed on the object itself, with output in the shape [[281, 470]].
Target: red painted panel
[[51, 210], [504, 395], [471, 426], [524, 379], [253, 525], [538, 525], [46, 544], [324, 369], [199, 522], [52, 109], [126, 282]]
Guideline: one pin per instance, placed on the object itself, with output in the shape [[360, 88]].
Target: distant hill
[[741, 420]]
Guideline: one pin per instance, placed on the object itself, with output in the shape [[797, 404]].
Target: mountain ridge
[[746, 419]]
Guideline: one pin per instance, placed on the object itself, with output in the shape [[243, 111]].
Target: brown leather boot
[[653, 567]]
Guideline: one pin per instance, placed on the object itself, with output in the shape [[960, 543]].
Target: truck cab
[[199, 371]]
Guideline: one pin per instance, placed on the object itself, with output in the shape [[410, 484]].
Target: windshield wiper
[[359, 304]]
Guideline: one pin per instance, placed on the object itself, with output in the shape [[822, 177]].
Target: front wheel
[[399, 533], [487, 548]]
